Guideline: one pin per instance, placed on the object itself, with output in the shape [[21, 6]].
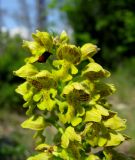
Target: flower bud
[[64, 37], [88, 50]]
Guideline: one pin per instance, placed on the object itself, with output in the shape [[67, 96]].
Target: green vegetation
[[64, 91], [110, 24], [13, 142], [10, 59], [123, 100]]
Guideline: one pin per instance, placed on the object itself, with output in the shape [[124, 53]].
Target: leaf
[[115, 123], [93, 115], [115, 139], [69, 135], [27, 70], [34, 123]]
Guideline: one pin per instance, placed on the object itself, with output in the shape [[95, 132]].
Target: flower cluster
[[65, 93]]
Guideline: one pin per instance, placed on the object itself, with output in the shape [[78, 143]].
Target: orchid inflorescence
[[64, 89]]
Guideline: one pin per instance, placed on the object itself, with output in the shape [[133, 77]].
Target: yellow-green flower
[[42, 43], [69, 52]]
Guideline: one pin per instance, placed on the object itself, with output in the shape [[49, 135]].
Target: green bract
[[67, 92]]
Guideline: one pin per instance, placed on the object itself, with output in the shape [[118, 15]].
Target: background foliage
[[11, 58], [109, 24]]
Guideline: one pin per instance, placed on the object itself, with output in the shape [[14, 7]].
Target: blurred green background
[[108, 24]]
